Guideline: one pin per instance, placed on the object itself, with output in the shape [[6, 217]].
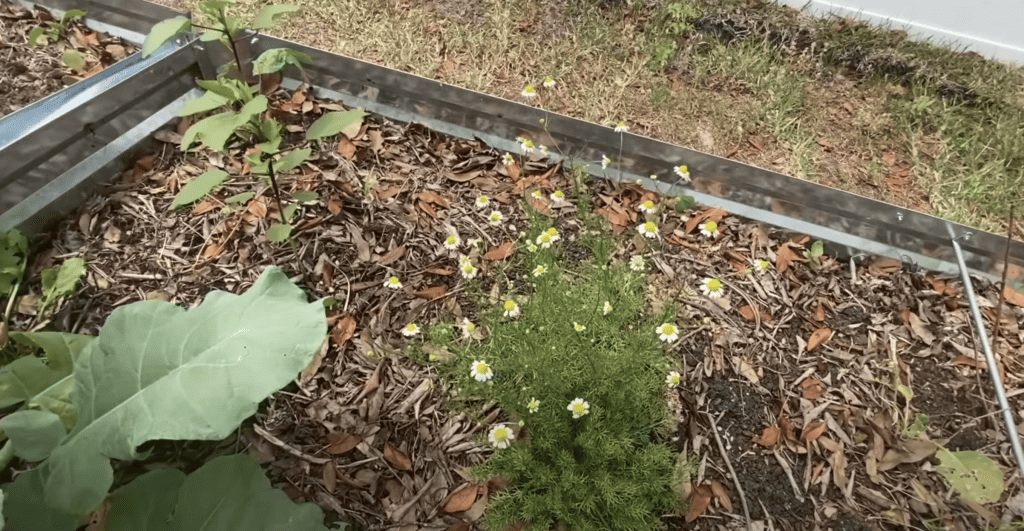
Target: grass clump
[[578, 337]]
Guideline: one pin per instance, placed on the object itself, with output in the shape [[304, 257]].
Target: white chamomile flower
[[411, 330], [508, 160], [501, 436], [539, 270], [452, 242], [534, 405], [710, 229], [667, 332], [553, 232], [557, 196], [647, 207], [467, 327], [578, 327], [468, 271], [639, 182], [712, 287], [482, 201], [673, 378], [393, 283], [527, 147], [549, 83], [762, 266], [649, 229], [544, 240], [522, 423], [636, 263], [621, 128], [579, 407], [605, 161], [495, 218], [683, 172], [654, 177], [607, 308], [531, 247], [529, 92], [464, 260], [538, 194], [433, 357], [511, 309], [481, 371]]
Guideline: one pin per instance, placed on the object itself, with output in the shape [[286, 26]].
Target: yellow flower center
[[510, 305], [648, 204], [411, 327], [714, 285], [482, 368], [452, 240], [650, 227], [553, 231], [393, 280], [470, 327], [669, 330], [501, 434], [711, 226], [545, 237], [578, 409]]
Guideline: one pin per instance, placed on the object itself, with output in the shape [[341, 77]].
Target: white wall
[[993, 28]]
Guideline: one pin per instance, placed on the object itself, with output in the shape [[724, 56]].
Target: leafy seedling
[[813, 255], [54, 30], [684, 203], [13, 256], [60, 283], [74, 60]]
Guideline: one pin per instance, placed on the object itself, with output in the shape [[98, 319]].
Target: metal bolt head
[[899, 216]]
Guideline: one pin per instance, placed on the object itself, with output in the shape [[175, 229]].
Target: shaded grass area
[[845, 104]]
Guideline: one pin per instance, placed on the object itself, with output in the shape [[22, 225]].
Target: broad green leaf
[[58, 283], [333, 123], [13, 256], [35, 34], [71, 14], [241, 198], [256, 106], [157, 371], [28, 377], [279, 232], [197, 188], [292, 160], [329, 302], [270, 14], [25, 508], [207, 102], [273, 60], [227, 493], [163, 32], [147, 503], [307, 197], [290, 212], [74, 60], [226, 88], [33, 433], [817, 248], [271, 130], [684, 203], [214, 131], [972, 474]]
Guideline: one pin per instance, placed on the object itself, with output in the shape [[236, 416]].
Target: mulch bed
[[795, 367], [30, 73]]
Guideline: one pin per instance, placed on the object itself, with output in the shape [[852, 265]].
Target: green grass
[[610, 468]]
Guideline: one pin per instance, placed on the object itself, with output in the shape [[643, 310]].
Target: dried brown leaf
[[440, 271], [432, 292], [500, 252], [335, 204], [769, 437], [813, 389], [330, 477], [918, 328], [463, 177], [1013, 296], [722, 494], [883, 266], [819, 313], [462, 499], [257, 208], [700, 499], [785, 256], [341, 443], [397, 458], [392, 255], [345, 147], [345, 329], [812, 431], [711, 214], [818, 337], [431, 197]]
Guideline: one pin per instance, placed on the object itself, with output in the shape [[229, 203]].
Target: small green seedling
[[684, 203], [75, 61], [13, 257], [813, 255], [60, 283], [53, 31]]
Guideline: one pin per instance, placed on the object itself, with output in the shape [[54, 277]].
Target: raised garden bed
[[801, 370]]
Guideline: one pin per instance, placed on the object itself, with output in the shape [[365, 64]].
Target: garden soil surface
[[29, 73], [800, 370]]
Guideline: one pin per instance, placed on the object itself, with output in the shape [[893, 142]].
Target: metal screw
[[254, 40], [899, 216]]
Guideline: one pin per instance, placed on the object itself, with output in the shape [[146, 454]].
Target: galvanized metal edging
[[129, 20]]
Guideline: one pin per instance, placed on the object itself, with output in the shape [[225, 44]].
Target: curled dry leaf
[[397, 458], [1013, 296], [769, 437], [500, 252], [392, 255], [812, 431], [432, 292], [722, 494], [812, 388], [462, 499], [883, 266], [700, 499], [818, 337], [341, 443], [785, 256], [344, 330]]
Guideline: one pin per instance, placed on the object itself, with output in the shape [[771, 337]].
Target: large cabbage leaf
[[157, 371]]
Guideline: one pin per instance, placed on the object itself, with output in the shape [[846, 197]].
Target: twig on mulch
[[1002, 285], [728, 464]]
